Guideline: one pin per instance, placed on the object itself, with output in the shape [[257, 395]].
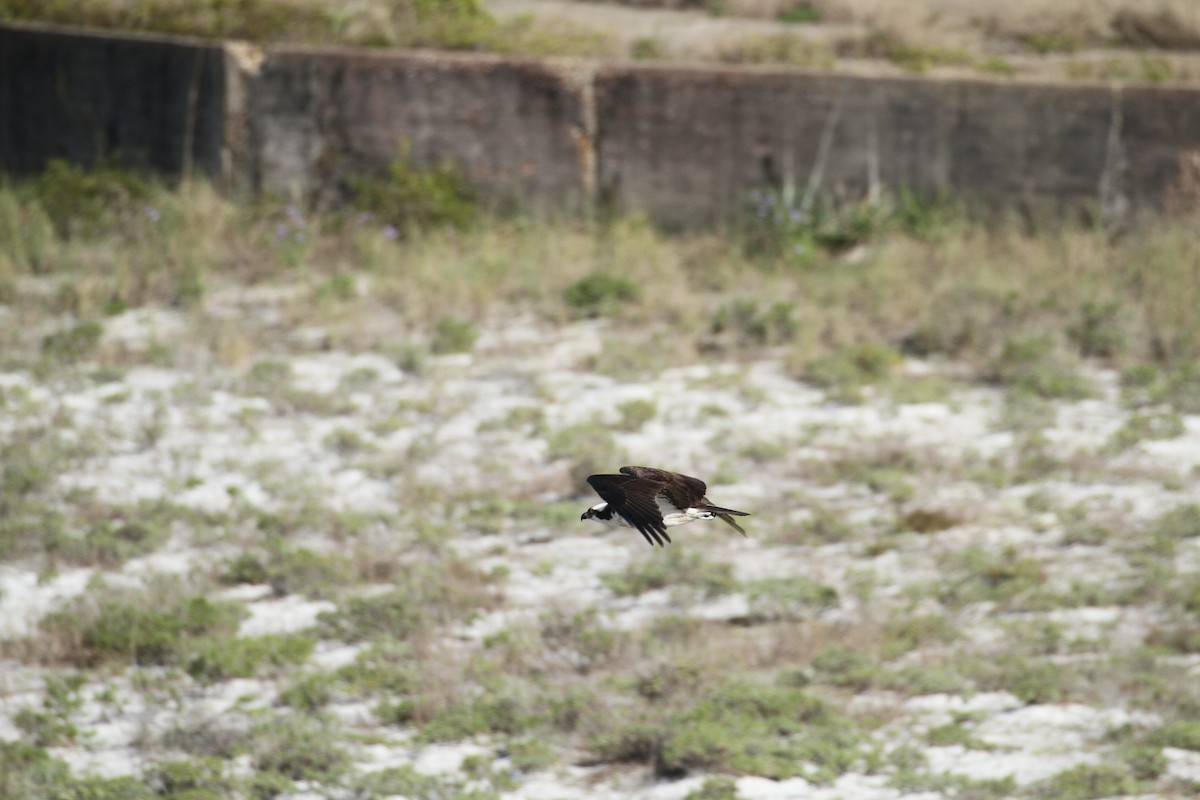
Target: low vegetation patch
[[474, 606], [741, 727], [677, 569], [136, 628], [423, 595], [594, 294], [409, 199]]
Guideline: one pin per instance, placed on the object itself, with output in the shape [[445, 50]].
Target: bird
[[652, 500]]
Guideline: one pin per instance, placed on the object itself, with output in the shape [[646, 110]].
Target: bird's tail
[[726, 515]]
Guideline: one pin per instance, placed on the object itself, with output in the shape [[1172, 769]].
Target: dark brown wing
[[687, 492], [635, 499], [682, 490]]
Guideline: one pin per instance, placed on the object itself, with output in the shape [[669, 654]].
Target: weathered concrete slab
[[688, 146], [148, 102], [1160, 134], [517, 128]]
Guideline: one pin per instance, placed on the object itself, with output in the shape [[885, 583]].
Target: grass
[[1005, 577], [443, 24], [740, 727], [1129, 301], [119, 627], [679, 570], [1015, 315], [424, 594], [788, 598]]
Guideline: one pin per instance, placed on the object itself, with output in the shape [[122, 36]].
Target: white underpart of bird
[[671, 515]]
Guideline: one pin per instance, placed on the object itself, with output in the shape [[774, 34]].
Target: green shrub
[[802, 12], [406, 781], [297, 751], [291, 570], [1143, 426], [137, 628], [1179, 387], [1045, 42], [923, 679], [985, 576], [719, 787], [647, 48], [495, 712], [1100, 330], [747, 325], [676, 568], [110, 543], [243, 657], [411, 197], [191, 779], [530, 753], [954, 733], [1184, 734], [267, 376], [52, 726], [347, 442], [600, 293], [27, 237], [425, 594], [845, 667], [387, 668], [1089, 781], [904, 633], [1033, 364], [782, 48], [83, 202], [847, 370], [1181, 522], [308, 693], [635, 414], [340, 287], [74, 343], [1145, 763], [742, 727], [28, 772], [580, 638], [452, 335], [1031, 681], [789, 598]]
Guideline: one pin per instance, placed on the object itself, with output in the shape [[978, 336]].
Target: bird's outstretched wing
[[687, 492], [635, 499], [682, 490]]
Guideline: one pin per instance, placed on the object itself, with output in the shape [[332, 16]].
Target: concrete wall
[[686, 145], [517, 128], [151, 102], [691, 145]]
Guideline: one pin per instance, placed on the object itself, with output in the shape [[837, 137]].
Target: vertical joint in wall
[[1111, 200], [582, 75]]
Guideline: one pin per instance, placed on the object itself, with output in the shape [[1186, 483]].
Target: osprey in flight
[[653, 500]]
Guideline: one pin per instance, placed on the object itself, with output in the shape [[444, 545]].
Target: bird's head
[[595, 512]]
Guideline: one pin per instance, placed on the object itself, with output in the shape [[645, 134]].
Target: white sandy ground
[[199, 439]]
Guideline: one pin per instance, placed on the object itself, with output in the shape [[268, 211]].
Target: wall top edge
[[602, 69]]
